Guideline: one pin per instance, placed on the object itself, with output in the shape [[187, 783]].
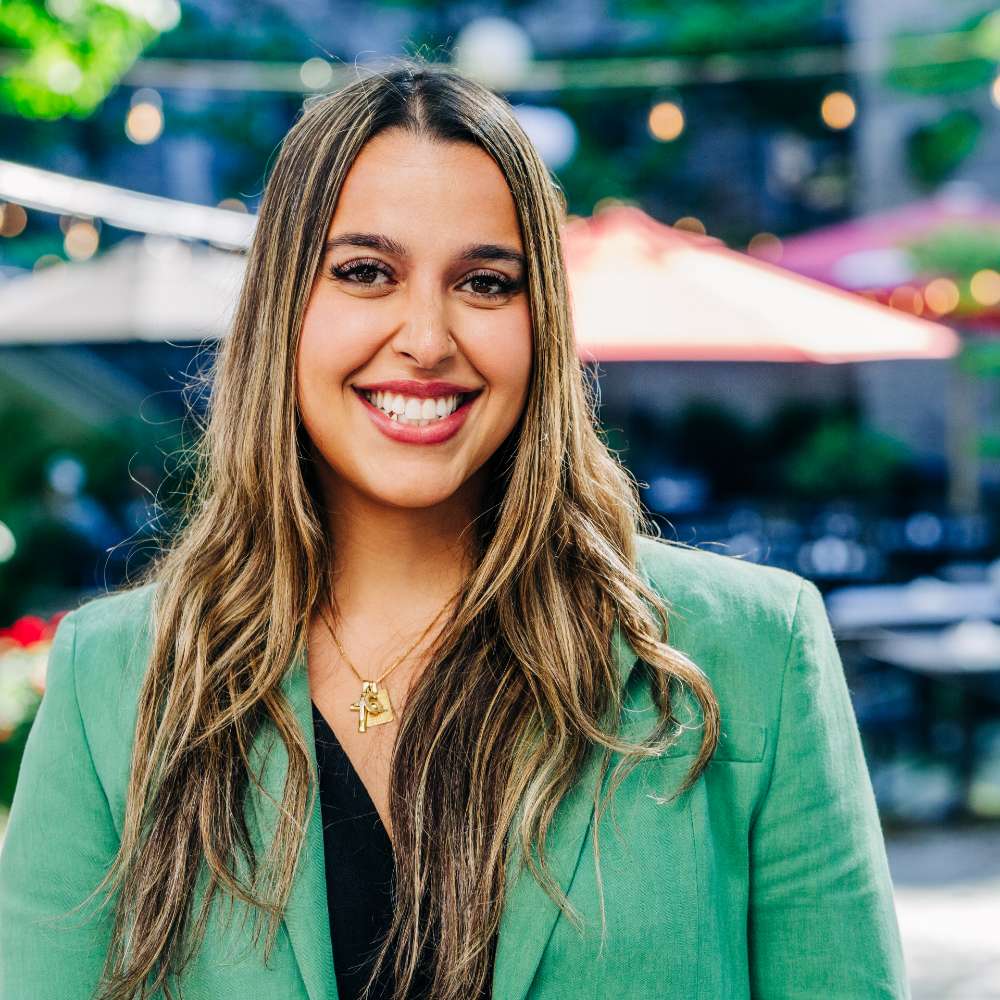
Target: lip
[[433, 433], [422, 390]]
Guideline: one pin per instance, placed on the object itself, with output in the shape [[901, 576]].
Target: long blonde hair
[[522, 682]]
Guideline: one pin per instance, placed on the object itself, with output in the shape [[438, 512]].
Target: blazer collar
[[529, 914]]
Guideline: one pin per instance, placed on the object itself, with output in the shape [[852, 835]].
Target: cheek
[[332, 345], [505, 356]]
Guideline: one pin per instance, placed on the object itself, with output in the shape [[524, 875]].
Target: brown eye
[[501, 284], [360, 272]]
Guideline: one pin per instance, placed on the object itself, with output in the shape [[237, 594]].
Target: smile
[[412, 411], [417, 420]]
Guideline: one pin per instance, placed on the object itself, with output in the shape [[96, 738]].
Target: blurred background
[[784, 251]]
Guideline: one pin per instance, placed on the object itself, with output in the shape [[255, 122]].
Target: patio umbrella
[[143, 288], [871, 250], [644, 291]]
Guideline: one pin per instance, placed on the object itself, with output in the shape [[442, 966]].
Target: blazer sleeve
[[59, 842], [822, 920]]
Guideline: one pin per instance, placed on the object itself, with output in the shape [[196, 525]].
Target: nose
[[424, 335]]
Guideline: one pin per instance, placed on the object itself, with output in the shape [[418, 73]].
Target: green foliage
[[123, 462], [950, 63], [804, 451], [69, 54], [713, 25], [843, 458], [957, 249], [980, 357], [935, 150]]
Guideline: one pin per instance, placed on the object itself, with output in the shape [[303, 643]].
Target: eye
[[365, 271], [504, 286]]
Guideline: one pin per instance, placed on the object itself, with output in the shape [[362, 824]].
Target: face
[[416, 347]]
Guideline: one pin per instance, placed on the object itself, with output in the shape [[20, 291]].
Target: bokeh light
[[81, 240], [316, 73], [63, 76], [908, 299], [838, 110], [985, 287], [13, 219], [941, 295], [552, 131], [766, 246], [666, 121], [494, 50], [8, 544], [690, 224], [144, 123]]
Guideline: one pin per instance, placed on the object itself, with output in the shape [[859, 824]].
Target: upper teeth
[[410, 409]]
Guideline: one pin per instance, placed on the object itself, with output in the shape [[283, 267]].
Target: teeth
[[410, 409]]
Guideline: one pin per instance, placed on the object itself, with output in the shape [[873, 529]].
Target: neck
[[404, 562]]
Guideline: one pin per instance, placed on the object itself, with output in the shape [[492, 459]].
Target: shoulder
[[734, 618], [113, 620], [110, 652], [719, 587]]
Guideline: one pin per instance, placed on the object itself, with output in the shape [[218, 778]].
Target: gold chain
[[374, 707]]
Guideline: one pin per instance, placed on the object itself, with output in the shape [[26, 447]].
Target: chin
[[410, 496]]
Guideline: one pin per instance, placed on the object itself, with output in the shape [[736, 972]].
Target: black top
[[360, 871]]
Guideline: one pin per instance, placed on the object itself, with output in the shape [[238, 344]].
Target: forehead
[[424, 191]]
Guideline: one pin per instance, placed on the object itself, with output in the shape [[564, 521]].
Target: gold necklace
[[374, 707]]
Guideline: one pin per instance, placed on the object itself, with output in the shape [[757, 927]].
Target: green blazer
[[767, 879]]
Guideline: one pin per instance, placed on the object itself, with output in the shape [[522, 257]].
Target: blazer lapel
[[529, 915], [306, 918]]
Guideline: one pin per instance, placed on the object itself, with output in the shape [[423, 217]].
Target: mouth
[[414, 411]]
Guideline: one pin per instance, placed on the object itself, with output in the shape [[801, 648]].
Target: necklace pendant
[[373, 707]]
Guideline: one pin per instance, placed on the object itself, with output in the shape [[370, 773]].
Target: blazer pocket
[[739, 740]]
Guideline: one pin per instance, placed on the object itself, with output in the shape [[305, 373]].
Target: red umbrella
[[643, 291]]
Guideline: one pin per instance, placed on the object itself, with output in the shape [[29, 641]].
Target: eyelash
[[345, 271]]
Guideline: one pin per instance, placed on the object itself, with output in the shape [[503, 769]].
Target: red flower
[[29, 629]]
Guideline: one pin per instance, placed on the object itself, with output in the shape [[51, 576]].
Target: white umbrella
[[143, 288]]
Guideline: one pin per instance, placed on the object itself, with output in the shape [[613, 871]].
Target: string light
[[985, 287], [13, 220], [941, 295], [766, 246], [81, 240], [144, 123], [609, 201], [690, 224], [838, 110], [666, 121], [995, 91], [908, 299]]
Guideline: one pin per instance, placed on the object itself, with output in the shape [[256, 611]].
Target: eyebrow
[[376, 241]]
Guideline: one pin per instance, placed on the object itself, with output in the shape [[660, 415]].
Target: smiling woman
[[416, 685], [423, 300]]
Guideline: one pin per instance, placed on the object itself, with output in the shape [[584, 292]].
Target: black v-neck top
[[360, 871]]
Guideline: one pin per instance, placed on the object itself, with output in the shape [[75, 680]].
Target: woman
[[410, 553]]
